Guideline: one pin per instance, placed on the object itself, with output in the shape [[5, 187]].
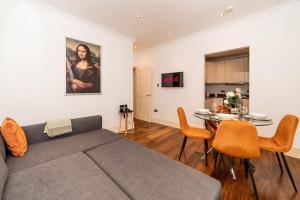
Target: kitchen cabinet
[[220, 75], [210, 74], [210, 101], [235, 70], [247, 70], [219, 101], [215, 72], [246, 103]]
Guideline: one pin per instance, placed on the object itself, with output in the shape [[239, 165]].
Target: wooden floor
[[271, 184]]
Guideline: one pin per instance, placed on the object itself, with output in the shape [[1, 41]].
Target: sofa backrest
[[35, 133], [3, 175], [2, 147]]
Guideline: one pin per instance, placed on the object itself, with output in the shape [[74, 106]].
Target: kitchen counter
[[247, 97]]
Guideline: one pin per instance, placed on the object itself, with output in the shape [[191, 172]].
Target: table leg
[[126, 121], [120, 126], [132, 123], [231, 168], [209, 150]]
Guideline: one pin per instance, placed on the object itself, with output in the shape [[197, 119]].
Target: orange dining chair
[[191, 132], [282, 141], [237, 139]]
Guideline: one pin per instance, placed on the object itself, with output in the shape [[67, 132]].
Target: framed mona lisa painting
[[82, 67]]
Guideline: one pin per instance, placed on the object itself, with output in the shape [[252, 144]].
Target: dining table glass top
[[237, 117]]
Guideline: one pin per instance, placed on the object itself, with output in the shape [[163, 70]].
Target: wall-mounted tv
[[174, 79]]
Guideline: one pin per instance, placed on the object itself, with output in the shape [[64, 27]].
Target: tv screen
[[174, 79]]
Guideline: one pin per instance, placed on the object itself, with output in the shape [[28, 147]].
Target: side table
[[124, 114]]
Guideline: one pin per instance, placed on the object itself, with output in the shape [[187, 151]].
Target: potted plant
[[233, 98]]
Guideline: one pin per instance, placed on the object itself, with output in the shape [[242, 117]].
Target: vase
[[233, 105]]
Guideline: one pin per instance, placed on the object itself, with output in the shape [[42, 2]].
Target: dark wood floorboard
[[270, 183]]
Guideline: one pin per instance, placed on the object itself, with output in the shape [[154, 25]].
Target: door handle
[[148, 95]]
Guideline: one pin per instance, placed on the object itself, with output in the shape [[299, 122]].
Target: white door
[[143, 94]]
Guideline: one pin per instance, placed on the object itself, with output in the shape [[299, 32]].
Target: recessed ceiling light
[[138, 16], [226, 10]]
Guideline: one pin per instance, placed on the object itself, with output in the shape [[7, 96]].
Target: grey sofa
[[94, 163]]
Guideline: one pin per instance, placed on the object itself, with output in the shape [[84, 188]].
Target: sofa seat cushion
[[52, 149], [72, 177], [145, 174]]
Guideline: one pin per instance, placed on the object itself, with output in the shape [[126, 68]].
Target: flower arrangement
[[233, 97]]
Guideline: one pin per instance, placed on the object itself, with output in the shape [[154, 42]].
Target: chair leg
[[205, 151], [218, 165], [279, 162], [250, 169], [246, 168], [216, 159], [289, 172], [183, 145]]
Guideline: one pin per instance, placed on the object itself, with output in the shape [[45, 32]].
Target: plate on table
[[203, 111], [226, 116], [257, 116]]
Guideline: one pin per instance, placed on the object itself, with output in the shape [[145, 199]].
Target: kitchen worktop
[[223, 96]]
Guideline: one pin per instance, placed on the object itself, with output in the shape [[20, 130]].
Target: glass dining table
[[214, 120]]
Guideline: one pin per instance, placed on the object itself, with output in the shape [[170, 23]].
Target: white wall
[[32, 65], [273, 38]]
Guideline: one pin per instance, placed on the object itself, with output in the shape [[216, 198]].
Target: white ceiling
[[160, 18]]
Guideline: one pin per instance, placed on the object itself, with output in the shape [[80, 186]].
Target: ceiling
[[161, 20]]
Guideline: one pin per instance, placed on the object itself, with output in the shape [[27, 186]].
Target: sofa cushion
[[14, 137], [45, 151], [71, 177], [3, 174], [145, 174], [2, 147], [35, 133]]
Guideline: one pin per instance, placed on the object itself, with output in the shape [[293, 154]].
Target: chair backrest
[[182, 119], [237, 139], [285, 132]]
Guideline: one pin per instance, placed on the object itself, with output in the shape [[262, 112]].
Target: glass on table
[[242, 110]]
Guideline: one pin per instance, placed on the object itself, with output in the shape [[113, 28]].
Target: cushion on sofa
[[35, 133], [71, 177], [3, 174], [52, 149], [145, 174], [2, 147], [14, 137]]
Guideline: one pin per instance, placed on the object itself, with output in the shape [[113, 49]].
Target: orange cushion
[[14, 137]]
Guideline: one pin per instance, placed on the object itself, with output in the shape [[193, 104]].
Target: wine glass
[[242, 110]]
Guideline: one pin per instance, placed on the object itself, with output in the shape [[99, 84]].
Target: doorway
[[142, 93], [226, 71]]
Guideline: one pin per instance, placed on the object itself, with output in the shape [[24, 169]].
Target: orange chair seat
[[197, 133], [269, 144]]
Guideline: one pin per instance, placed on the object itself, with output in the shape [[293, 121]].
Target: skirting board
[[117, 129], [294, 152], [114, 129], [172, 123]]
